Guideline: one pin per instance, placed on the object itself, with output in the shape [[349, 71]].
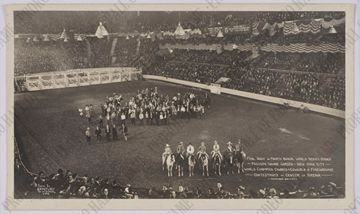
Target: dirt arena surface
[[51, 135]]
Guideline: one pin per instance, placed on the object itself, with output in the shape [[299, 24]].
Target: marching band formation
[[146, 107]]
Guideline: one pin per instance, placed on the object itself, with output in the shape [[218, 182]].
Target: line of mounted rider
[[230, 161]]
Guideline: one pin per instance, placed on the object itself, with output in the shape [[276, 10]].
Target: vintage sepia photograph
[[209, 102]]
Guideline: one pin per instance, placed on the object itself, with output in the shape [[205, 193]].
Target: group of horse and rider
[[232, 159]]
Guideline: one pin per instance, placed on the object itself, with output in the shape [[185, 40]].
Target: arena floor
[[51, 133]]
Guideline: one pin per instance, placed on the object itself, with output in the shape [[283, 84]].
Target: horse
[[216, 164], [204, 164], [191, 164], [170, 161], [180, 163], [164, 158], [228, 162], [240, 157]]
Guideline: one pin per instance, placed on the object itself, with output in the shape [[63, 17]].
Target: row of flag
[[100, 33], [298, 26], [313, 26], [289, 27]]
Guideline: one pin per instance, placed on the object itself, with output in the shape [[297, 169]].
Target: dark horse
[[216, 164], [228, 162], [180, 164], [239, 157]]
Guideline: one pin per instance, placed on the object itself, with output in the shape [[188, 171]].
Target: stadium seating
[[284, 65]]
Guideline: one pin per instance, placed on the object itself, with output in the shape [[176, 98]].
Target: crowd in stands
[[316, 78], [307, 87], [201, 73], [68, 184], [333, 63], [37, 57], [297, 76], [205, 66], [125, 51], [235, 58], [99, 52]]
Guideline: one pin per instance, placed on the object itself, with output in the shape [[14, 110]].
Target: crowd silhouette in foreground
[[68, 184]]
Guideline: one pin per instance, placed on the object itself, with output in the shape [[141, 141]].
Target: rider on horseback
[[240, 156], [238, 146], [190, 150], [202, 150], [166, 153], [216, 150], [230, 147], [180, 148]]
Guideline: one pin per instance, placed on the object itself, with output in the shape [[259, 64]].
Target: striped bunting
[[313, 27], [290, 27], [304, 48]]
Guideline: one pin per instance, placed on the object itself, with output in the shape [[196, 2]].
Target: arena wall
[[79, 77], [260, 97]]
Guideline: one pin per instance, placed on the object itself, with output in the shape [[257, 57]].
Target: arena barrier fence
[[217, 89], [78, 77]]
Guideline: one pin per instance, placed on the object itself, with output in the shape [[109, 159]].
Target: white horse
[[204, 161], [191, 163], [163, 158], [170, 161]]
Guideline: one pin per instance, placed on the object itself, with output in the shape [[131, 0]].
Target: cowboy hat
[[241, 187], [332, 184], [262, 192]]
